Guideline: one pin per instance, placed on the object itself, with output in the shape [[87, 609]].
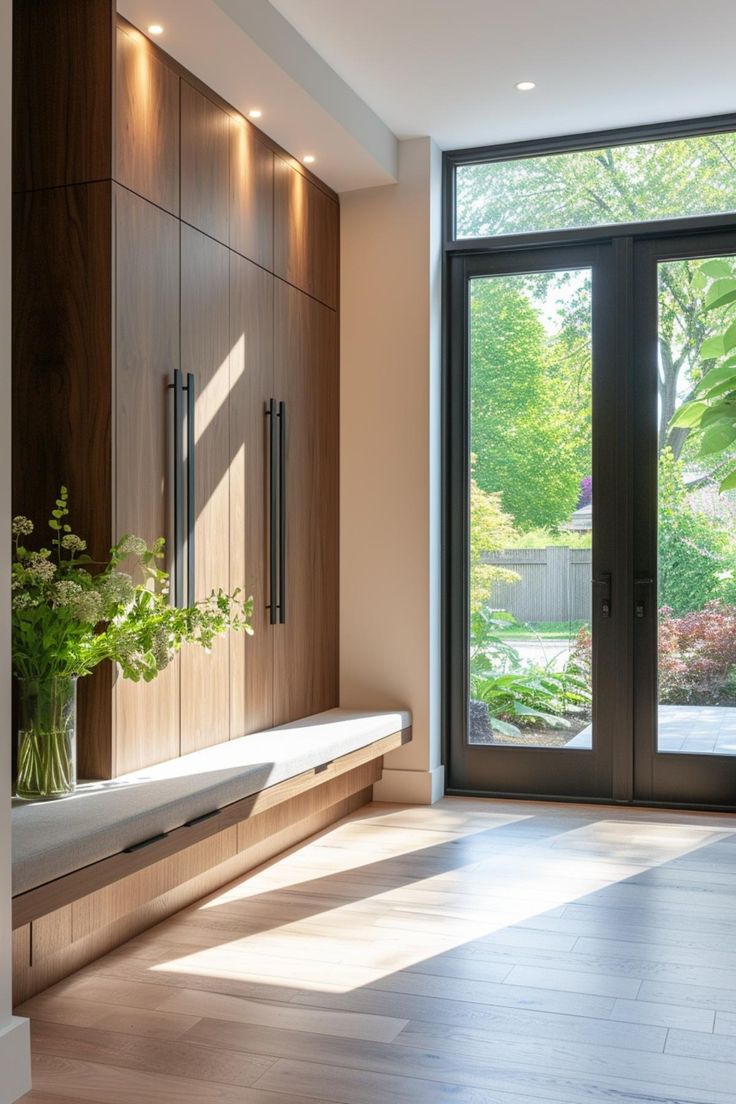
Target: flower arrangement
[[70, 614]]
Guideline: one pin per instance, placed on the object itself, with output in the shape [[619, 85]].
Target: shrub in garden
[[697, 656], [696, 558]]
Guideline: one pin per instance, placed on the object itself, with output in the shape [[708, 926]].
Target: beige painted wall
[[14, 1038], [390, 441]]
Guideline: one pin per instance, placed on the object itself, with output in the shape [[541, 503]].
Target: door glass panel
[[696, 579], [531, 510], [666, 179]]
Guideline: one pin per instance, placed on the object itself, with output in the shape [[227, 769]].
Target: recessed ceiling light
[[255, 113], [308, 158], [525, 86], [155, 29]]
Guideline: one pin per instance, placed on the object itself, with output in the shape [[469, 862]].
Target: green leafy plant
[[512, 692], [70, 614], [710, 413], [696, 556], [491, 530]]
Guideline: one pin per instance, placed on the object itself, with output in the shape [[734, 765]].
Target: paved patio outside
[[687, 729]]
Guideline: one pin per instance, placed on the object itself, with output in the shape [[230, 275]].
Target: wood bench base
[[61, 926]]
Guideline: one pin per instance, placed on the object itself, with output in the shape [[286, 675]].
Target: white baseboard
[[15, 1059], [411, 787]]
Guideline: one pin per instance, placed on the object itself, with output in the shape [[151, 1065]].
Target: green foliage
[[696, 558], [491, 530], [69, 615], [530, 405], [710, 412], [512, 692], [544, 537], [624, 184]]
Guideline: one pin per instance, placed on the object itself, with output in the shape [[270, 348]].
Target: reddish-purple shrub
[[697, 655]]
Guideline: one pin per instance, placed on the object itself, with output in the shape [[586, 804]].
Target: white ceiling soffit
[[248, 53], [447, 68]]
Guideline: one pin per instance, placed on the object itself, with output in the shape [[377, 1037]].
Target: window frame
[[575, 143], [456, 253]]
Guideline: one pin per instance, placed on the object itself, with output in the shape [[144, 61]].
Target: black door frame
[[706, 781], [612, 778]]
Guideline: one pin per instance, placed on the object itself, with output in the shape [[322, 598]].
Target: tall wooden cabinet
[[157, 231]]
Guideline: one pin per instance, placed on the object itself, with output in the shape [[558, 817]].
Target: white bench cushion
[[53, 838]]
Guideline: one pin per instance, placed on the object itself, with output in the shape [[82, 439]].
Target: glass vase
[[47, 737]]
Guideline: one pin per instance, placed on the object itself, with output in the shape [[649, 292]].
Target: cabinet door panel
[[147, 122], [147, 351], [251, 195], [251, 385], [306, 370], [306, 230], [205, 163], [205, 352]]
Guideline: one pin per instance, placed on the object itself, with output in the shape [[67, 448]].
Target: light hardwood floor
[[475, 952]]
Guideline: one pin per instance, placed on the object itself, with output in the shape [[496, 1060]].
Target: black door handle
[[641, 593], [602, 589], [282, 512], [272, 514], [191, 491], [178, 387]]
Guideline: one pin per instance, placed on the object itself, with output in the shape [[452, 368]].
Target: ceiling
[[447, 68]]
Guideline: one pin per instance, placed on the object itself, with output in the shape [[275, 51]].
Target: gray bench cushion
[[53, 838]]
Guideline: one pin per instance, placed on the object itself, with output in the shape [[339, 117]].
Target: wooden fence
[[554, 583]]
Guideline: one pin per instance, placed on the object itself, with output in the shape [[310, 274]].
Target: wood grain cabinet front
[[201, 248], [251, 386], [205, 164], [146, 354], [205, 354], [146, 121], [306, 234], [251, 194], [306, 380]]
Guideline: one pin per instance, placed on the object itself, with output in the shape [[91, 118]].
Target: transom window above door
[[606, 185]]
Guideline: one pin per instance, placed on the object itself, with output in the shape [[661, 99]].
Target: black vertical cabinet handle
[[191, 491], [272, 513], [282, 513], [178, 488]]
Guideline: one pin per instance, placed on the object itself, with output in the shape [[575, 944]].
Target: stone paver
[[687, 729]]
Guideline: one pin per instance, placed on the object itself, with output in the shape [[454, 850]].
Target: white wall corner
[[15, 1059], [15, 1045], [390, 461], [410, 787]]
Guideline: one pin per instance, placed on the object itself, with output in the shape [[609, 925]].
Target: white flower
[[22, 526], [116, 588], [133, 546], [39, 567], [24, 601], [87, 607], [65, 593], [73, 543], [161, 650]]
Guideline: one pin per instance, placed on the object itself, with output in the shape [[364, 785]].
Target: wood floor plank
[[725, 1023], [78, 1012], [172, 1058], [355, 1025], [96, 1083], [663, 1015], [474, 952]]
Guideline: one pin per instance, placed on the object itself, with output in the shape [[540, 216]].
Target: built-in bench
[[95, 868]]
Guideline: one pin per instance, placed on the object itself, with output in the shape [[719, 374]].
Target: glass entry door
[[591, 552], [539, 621], [685, 520]]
